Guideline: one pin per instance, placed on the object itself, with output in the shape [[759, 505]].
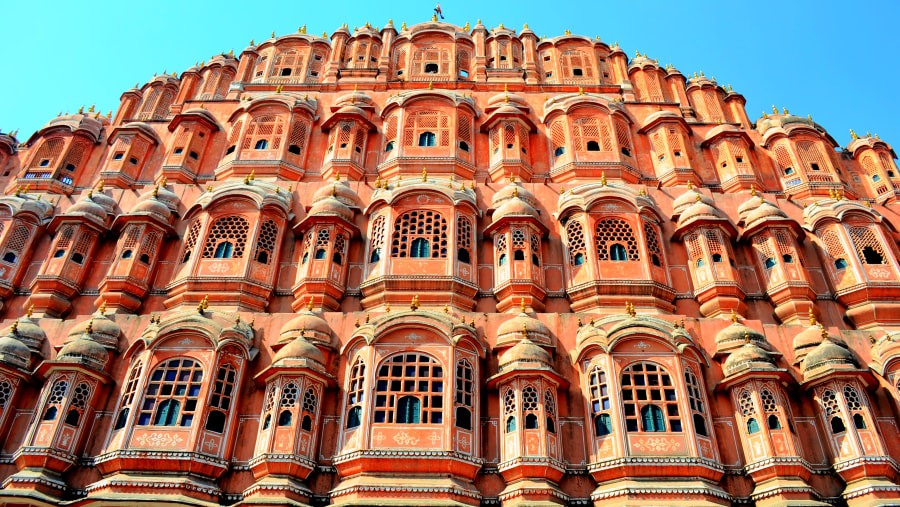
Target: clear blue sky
[[834, 60]]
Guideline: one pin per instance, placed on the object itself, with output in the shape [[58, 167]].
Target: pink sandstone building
[[447, 266]]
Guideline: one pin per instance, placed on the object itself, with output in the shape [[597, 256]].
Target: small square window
[[740, 160], [577, 72], [133, 160], [45, 162], [119, 155], [178, 151]]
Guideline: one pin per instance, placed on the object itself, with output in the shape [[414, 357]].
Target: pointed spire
[[812, 318], [734, 317], [29, 311], [414, 305], [522, 305], [103, 308]]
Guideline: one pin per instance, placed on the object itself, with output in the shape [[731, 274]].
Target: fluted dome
[[28, 332], [14, 352], [163, 195], [749, 205], [807, 340], [507, 99], [85, 350], [509, 192], [317, 330], [331, 207], [698, 210], [688, 199], [153, 207], [300, 350], [828, 353], [511, 331], [87, 207], [515, 207], [736, 334], [338, 190], [587, 333], [749, 357], [764, 211], [100, 328], [526, 351]]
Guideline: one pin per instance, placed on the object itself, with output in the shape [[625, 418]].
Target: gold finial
[[324, 34], [356, 324], [205, 302], [699, 198], [524, 329], [512, 178], [853, 134], [690, 185], [414, 305], [237, 320], [403, 27], [434, 18], [812, 318], [209, 188], [629, 309], [273, 34], [761, 200], [467, 27], [682, 323], [765, 115], [734, 317], [562, 189], [103, 308], [252, 43], [91, 109], [522, 305], [824, 333], [580, 324], [30, 311], [869, 202], [424, 173], [774, 109], [90, 327], [809, 117], [580, 90], [753, 189], [90, 194], [303, 29], [309, 305], [729, 88], [747, 336], [14, 327], [246, 180], [81, 109], [431, 85], [516, 191], [872, 338], [156, 191], [446, 308], [100, 186], [603, 178], [785, 110], [279, 88], [367, 317], [387, 308]]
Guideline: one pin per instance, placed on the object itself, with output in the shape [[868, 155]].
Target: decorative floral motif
[[155, 439], [404, 438], [657, 444]]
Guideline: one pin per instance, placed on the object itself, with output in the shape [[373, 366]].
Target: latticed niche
[[226, 238], [420, 234], [431, 63], [289, 63], [267, 242], [868, 247], [591, 134], [509, 141], [576, 67], [576, 243], [616, 241], [651, 236], [216, 83], [156, 104], [464, 240], [15, 243]]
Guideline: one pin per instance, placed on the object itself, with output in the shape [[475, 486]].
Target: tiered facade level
[[442, 265]]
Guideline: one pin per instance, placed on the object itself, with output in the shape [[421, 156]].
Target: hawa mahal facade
[[448, 266]]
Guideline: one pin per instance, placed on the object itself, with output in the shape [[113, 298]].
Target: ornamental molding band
[[446, 265]]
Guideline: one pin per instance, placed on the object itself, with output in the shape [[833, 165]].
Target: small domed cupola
[[28, 332], [511, 331], [101, 329], [736, 335], [748, 357], [13, 351], [311, 326], [827, 357]]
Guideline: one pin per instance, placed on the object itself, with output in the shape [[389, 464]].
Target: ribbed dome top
[[511, 330], [338, 190], [764, 211], [509, 191], [300, 349], [688, 199], [808, 339], [750, 204], [14, 352], [100, 328], [107, 202], [86, 206], [828, 353], [732, 336], [515, 207], [697, 211], [28, 332], [154, 207], [526, 351], [749, 356], [85, 349], [331, 207], [317, 330], [507, 98]]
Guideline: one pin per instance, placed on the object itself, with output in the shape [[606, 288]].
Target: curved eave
[[723, 133], [779, 374], [663, 118], [759, 225], [389, 197], [521, 116], [261, 378], [502, 221], [336, 117], [137, 128], [201, 116], [835, 212], [92, 223], [126, 218], [528, 369], [722, 223], [452, 98], [289, 103], [311, 220]]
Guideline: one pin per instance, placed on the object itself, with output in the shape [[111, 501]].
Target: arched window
[[644, 385], [653, 247], [696, 402], [288, 403], [503, 259], [558, 138], [356, 394], [600, 404], [266, 242], [268, 407], [855, 406], [220, 398], [463, 239], [420, 381], [829, 402], [550, 411], [501, 249], [575, 242], [128, 396], [530, 407], [310, 404], [337, 256], [15, 243], [518, 255], [80, 396], [615, 237], [868, 247], [55, 400], [193, 233], [171, 395], [230, 231], [770, 263], [770, 407], [591, 134], [323, 240], [425, 225], [5, 392], [464, 399], [376, 244], [748, 411], [509, 409]]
